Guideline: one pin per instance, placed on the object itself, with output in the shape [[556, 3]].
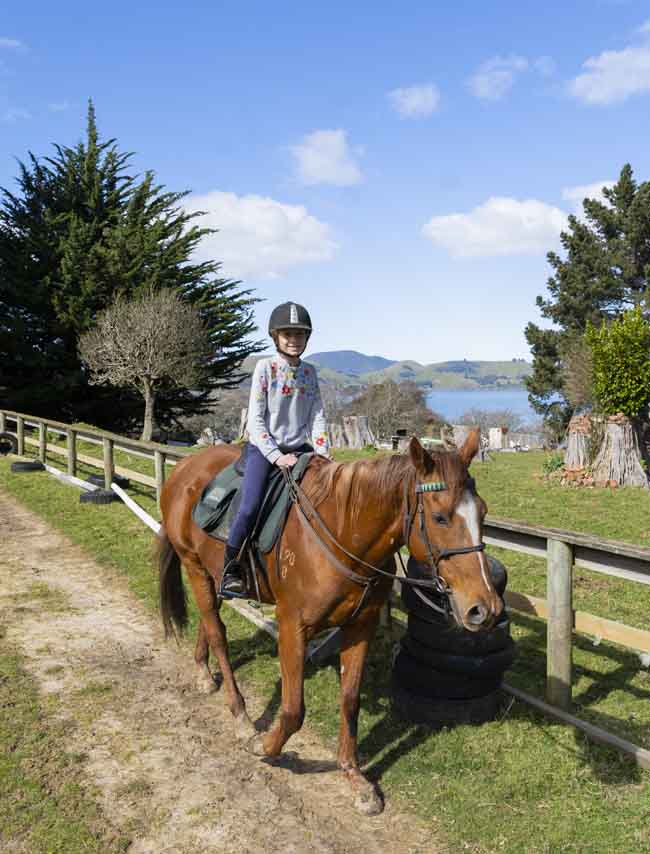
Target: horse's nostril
[[477, 615]]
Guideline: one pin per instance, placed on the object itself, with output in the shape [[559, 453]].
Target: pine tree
[[605, 270], [80, 230]]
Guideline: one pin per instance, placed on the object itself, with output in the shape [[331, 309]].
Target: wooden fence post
[[159, 464], [559, 580], [20, 435], [3, 422], [109, 465], [72, 452], [42, 441]]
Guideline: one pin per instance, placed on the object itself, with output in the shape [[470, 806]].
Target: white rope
[[139, 512], [68, 478]]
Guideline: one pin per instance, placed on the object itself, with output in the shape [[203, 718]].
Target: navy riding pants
[[256, 473]]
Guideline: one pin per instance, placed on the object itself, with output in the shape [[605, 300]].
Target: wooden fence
[[160, 455], [562, 550]]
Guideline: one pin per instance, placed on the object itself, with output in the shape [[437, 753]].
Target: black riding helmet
[[290, 315]]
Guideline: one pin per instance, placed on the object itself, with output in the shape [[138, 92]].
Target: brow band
[[435, 486]]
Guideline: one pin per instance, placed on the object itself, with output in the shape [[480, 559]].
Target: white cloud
[[58, 106], [577, 194], [15, 114], [645, 27], [496, 76], [13, 44], [415, 102], [499, 226], [323, 157], [259, 236], [614, 75]]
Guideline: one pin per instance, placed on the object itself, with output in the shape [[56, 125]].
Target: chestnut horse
[[364, 511]]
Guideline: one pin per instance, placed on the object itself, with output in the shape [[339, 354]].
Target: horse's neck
[[375, 531]]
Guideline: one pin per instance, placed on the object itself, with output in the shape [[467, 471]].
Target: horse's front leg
[[354, 649], [291, 649]]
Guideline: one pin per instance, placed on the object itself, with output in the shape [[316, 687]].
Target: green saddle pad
[[217, 507]]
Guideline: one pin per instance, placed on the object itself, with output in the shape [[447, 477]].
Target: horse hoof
[[244, 729], [369, 802], [205, 684], [255, 746]]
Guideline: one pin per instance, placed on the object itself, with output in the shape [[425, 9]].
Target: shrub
[[621, 363], [553, 462]]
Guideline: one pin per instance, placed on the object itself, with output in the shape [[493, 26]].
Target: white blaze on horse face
[[467, 509]]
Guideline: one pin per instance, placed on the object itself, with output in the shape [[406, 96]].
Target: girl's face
[[292, 341]]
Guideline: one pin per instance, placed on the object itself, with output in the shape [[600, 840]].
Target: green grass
[[520, 784], [46, 806]]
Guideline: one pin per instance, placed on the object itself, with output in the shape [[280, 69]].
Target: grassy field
[[46, 804], [519, 784]]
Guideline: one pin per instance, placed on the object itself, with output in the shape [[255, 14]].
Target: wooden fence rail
[[561, 549], [159, 454]]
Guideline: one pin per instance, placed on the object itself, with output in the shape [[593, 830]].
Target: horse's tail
[[173, 598]]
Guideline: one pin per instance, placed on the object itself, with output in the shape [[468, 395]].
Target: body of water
[[452, 403]]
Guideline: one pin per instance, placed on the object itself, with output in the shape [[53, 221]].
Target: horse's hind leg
[[356, 638], [204, 680], [215, 635]]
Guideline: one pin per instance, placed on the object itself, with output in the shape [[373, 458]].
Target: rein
[[437, 585]]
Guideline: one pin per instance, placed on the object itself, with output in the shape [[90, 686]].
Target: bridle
[[436, 586], [439, 586]]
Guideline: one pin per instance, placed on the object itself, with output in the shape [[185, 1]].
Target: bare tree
[[146, 343], [485, 419], [390, 405]]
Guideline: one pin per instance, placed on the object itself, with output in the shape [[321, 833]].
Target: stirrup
[[240, 593]]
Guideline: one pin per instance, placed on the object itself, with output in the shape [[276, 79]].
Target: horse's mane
[[354, 483]]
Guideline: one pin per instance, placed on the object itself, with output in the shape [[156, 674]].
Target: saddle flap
[[216, 509]]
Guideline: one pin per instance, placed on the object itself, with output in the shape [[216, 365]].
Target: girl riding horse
[[284, 413]]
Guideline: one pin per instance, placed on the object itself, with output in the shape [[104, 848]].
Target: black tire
[[457, 641], [27, 465], [118, 479], [439, 713], [98, 496], [498, 574], [8, 444], [423, 680], [477, 666]]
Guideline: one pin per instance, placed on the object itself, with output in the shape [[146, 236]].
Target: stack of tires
[[443, 674]]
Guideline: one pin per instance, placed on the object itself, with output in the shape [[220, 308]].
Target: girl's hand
[[286, 460]]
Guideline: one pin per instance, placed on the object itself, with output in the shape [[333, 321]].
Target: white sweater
[[285, 409]]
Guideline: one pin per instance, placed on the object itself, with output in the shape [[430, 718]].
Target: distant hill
[[350, 362], [351, 368]]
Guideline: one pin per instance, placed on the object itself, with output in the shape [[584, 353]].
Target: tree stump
[[336, 435], [619, 459], [577, 452], [460, 434], [357, 432], [243, 432]]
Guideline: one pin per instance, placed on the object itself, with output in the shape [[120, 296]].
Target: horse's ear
[[418, 455], [470, 446]]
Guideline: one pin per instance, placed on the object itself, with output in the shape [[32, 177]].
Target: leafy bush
[[553, 462], [621, 363]]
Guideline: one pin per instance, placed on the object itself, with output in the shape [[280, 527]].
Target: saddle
[[217, 507]]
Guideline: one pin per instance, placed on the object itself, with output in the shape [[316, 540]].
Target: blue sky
[[401, 169]]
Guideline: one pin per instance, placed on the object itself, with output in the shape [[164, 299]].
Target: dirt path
[[162, 756]]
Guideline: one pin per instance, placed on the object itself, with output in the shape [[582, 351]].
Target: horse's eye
[[441, 519]]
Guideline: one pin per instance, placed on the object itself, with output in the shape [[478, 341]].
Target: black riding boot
[[232, 581]]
